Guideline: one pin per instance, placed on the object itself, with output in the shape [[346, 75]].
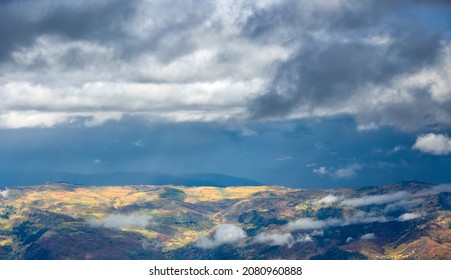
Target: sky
[[297, 93]]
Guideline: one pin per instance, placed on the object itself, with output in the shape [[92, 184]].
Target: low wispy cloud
[[317, 232], [153, 245], [309, 223], [436, 144], [434, 190], [368, 236], [224, 234], [275, 239], [138, 143], [403, 204], [359, 217], [281, 239], [118, 221], [409, 216], [284, 158], [374, 199]]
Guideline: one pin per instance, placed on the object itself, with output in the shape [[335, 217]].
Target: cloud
[[309, 223], [175, 61], [247, 132], [357, 217], [417, 198], [442, 188], [368, 236], [317, 232], [222, 60], [4, 193], [337, 66], [361, 217], [322, 170], [374, 199], [152, 244], [284, 158], [304, 238], [339, 173], [118, 221], [224, 234], [436, 144], [347, 172], [281, 239], [409, 216], [328, 200], [274, 239], [403, 204], [138, 143]]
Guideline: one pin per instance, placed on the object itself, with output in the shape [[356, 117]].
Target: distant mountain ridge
[[16, 178]]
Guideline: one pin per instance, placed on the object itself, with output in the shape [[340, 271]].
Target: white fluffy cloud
[[328, 200], [4, 193], [409, 216], [374, 199], [436, 144], [119, 221], [224, 234], [368, 236]]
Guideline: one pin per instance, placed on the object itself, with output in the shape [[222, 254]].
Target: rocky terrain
[[407, 220]]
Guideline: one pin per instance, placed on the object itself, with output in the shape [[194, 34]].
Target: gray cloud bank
[[357, 58], [224, 60]]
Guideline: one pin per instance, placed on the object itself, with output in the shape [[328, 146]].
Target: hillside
[[409, 220]]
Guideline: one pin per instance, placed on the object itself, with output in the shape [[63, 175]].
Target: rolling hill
[[407, 220]]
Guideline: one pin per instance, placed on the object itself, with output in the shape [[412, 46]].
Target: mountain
[[407, 220], [23, 178]]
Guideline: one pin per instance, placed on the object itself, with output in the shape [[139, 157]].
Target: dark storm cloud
[[343, 51], [202, 60], [327, 74], [175, 60], [21, 22], [174, 26]]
